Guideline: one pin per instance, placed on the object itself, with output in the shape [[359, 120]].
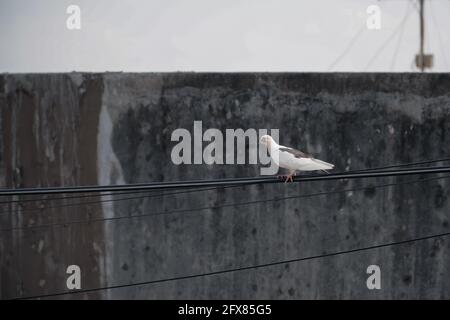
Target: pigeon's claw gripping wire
[[287, 178]]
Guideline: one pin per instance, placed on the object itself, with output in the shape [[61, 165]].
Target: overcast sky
[[225, 35]]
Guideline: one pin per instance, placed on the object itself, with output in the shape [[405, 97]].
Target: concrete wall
[[72, 129]]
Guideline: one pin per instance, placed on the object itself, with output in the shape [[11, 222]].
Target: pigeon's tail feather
[[322, 165]]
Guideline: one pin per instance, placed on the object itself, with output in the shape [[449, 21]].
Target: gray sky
[[213, 35]]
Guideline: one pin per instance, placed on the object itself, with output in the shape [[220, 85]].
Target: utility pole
[[423, 60]]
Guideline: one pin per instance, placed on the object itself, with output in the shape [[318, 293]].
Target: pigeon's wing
[[309, 162], [296, 153]]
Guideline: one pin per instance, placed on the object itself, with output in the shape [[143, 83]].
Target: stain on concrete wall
[[116, 127], [49, 129]]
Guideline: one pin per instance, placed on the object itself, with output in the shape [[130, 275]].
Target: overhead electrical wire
[[196, 210], [399, 38], [43, 208], [374, 173], [110, 193], [76, 196], [239, 269], [401, 165], [388, 39], [114, 199], [374, 169], [348, 47], [224, 182]]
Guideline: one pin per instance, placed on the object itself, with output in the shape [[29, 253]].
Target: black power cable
[[40, 199], [195, 210], [77, 204], [238, 269], [402, 165], [113, 199], [223, 182]]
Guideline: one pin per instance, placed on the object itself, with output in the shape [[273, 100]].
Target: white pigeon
[[291, 159]]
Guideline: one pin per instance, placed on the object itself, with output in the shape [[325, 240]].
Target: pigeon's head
[[266, 140]]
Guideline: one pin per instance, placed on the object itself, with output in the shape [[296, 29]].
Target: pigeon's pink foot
[[289, 177]]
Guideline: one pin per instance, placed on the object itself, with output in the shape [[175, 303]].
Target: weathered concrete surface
[[115, 128], [48, 130]]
